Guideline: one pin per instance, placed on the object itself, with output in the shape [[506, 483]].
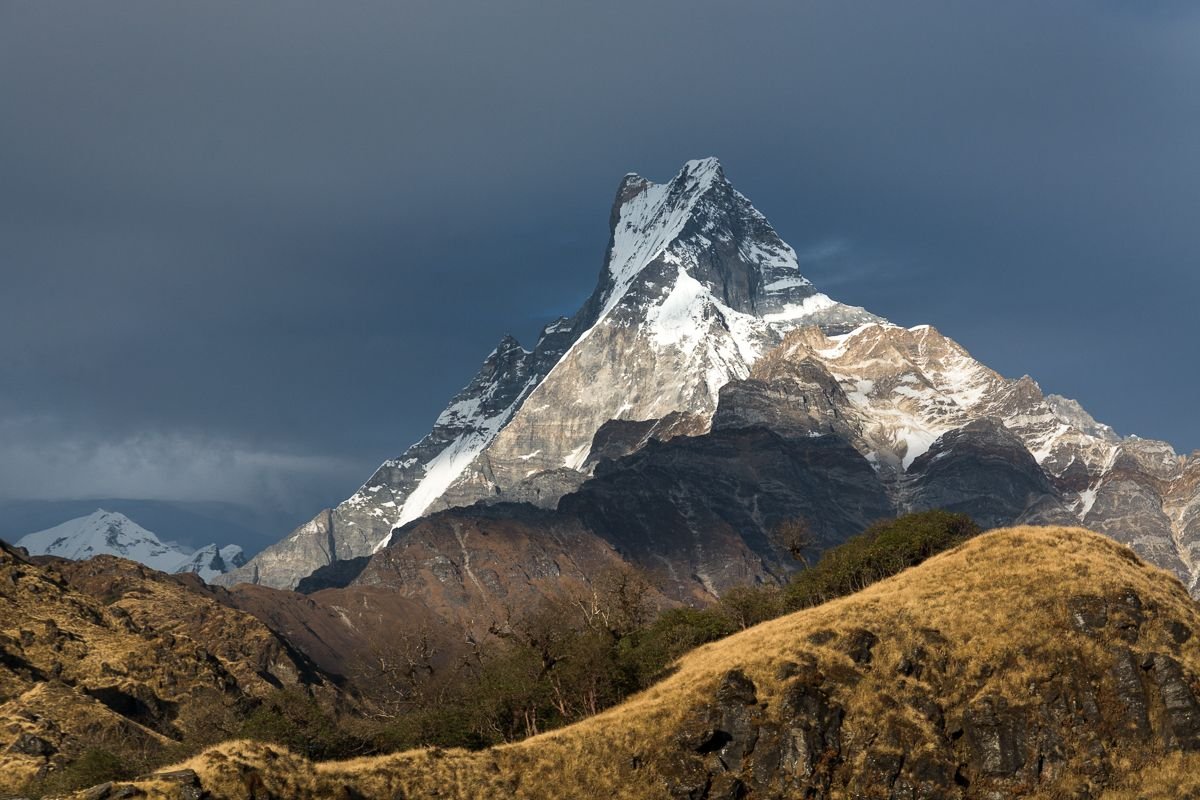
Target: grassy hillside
[[1026, 662], [108, 666]]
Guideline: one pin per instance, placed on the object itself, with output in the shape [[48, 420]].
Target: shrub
[[295, 720], [885, 548], [93, 766]]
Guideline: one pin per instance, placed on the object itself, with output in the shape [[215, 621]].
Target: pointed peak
[[698, 172], [701, 169], [509, 344]]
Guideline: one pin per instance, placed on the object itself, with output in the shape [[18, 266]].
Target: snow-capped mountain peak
[[105, 533], [112, 533], [649, 216], [210, 561], [696, 285]]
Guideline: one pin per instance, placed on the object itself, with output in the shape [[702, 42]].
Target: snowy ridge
[[112, 533], [651, 221], [210, 561], [450, 463], [909, 387], [907, 391]]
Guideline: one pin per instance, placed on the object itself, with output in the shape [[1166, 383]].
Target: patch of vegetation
[[96, 765], [295, 720], [542, 668], [981, 624], [884, 549]]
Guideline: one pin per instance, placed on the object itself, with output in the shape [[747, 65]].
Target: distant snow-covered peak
[[105, 533], [210, 561], [112, 533]]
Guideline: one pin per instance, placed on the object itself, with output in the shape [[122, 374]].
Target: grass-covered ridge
[[1001, 620]]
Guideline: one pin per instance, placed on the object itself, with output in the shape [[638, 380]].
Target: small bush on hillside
[[649, 653], [746, 606], [295, 720], [93, 766], [885, 548]]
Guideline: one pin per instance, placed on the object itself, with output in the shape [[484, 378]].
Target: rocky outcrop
[[947, 729], [943, 430], [985, 471]]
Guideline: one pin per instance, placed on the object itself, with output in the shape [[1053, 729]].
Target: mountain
[[109, 654], [835, 430], [210, 561], [104, 533], [914, 402], [696, 286], [706, 393], [191, 523], [112, 533], [1028, 662]]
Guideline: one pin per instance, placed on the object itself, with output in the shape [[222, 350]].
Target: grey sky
[[249, 250]]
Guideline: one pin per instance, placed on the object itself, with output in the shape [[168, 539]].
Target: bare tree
[[794, 536], [401, 669], [617, 603]]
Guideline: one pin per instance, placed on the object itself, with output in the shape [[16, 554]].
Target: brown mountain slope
[[110, 654], [1040, 662], [451, 578]]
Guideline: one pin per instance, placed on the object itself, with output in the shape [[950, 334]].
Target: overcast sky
[[249, 250]]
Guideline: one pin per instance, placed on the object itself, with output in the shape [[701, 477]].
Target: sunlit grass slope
[[1000, 618]]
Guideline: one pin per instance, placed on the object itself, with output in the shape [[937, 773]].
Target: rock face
[[696, 285], [696, 515], [943, 430], [700, 512]]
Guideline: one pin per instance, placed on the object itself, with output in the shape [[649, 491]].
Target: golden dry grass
[[999, 604], [116, 628]]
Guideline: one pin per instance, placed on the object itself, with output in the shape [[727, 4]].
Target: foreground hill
[[1046, 662], [107, 653]]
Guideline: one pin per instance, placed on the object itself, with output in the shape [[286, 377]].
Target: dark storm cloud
[[289, 231]]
